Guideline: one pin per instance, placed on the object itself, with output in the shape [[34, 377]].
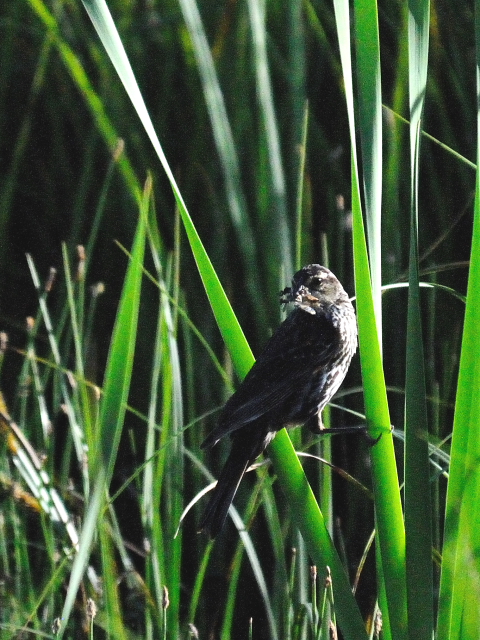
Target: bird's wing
[[300, 347]]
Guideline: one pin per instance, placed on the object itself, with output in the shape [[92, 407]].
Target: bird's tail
[[225, 490]]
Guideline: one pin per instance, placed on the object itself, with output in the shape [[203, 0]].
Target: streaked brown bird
[[300, 369]]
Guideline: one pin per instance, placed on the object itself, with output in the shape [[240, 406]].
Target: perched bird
[[300, 369]]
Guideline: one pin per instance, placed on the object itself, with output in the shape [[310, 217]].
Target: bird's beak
[[305, 301]]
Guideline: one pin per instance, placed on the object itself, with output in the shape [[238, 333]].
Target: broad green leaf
[[388, 511]]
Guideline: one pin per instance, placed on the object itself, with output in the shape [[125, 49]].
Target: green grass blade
[[172, 435], [388, 510], [110, 581], [367, 45], [153, 478], [458, 615], [299, 226], [75, 304], [224, 142], [418, 521], [122, 347], [83, 554], [116, 388]]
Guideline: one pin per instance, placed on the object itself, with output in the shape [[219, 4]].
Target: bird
[[295, 376]]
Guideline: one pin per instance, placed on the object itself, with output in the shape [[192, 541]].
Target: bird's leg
[[316, 426], [362, 429]]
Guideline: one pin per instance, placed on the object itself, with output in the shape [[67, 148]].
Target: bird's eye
[[315, 282]]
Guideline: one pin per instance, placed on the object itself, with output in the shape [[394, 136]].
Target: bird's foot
[[362, 429]]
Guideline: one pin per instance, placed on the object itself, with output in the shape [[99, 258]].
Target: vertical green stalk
[[388, 510], [367, 46], [418, 523], [277, 210], [459, 613]]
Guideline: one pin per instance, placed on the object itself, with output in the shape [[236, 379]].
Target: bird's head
[[314, 288]]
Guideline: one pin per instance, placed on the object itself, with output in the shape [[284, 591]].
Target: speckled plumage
[[300, 369]]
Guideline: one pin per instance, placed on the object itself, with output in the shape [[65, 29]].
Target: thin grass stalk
[[299, 230], [96, 290], [117, 153], [39, 391], [159, 541], [278, 220], [76, 308], [199, 582], [418, 523], [226, 149], [367, 47], [112, 605], [85, 178], [277, 543], [331, 599], [288, 598], [32, 328], [256, 565], [324, 608], [302, 561], [233, 591], [165, 617], [316, 622], [155, 466], [150, 493], [157, 570], [76, 430], [175, 474]]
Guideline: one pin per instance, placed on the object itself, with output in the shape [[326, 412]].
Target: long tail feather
[[223, 494]]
